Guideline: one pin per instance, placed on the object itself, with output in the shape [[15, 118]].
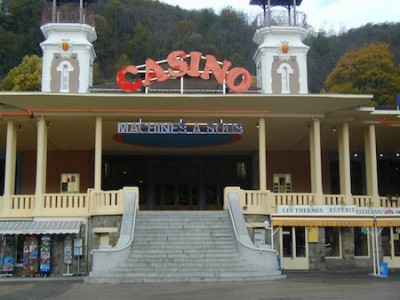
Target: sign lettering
[[179, 128], [321, 210], [238, 80]]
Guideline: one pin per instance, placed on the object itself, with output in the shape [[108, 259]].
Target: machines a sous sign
[[238, 80], [220, 128]]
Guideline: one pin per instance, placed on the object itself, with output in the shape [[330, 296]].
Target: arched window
[[285, 70], [65, 68]]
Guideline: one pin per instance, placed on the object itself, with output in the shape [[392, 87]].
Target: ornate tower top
[[275, 17], [68, 14], [281, 57], [68, 53]]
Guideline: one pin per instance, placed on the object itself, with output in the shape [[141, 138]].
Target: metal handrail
[[280, 18], [69, 15]]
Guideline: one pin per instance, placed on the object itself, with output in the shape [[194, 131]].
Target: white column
[[312, 158], [262, 154], [98, 153], [10, 164], [316, 166], [371, 166], [344, 162], [41, 163]]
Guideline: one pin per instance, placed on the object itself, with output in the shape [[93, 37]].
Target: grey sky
[[325, 14]]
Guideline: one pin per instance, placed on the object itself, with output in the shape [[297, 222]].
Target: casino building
[[316, 176]]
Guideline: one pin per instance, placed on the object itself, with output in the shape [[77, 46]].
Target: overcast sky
[[325, 14]]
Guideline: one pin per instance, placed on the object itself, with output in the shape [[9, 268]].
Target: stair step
[[220, 278], [195, 264], [175, 246]]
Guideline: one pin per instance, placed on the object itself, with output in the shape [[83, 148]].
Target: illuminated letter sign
[[238, 80]]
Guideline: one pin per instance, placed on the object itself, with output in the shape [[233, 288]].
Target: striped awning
[[40, 227]]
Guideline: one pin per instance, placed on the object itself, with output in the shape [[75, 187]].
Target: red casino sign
[[238, 80]]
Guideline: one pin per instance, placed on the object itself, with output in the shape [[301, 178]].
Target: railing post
[[133, 189], [91, 201], [227, 190], [270, 200]]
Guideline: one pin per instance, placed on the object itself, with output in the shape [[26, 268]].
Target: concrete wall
[[58, 162], [298, 165], [102, 222]]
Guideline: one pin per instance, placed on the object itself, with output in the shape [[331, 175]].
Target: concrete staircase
[[177, 246]]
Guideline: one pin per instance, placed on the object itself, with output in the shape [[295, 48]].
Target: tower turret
[[68, 53], [281, 56]]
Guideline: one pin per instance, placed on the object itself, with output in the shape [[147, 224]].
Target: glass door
[[294, 250], [391, 246], [176, 195]]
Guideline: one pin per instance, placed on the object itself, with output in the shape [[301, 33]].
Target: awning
[[388, 222], [322, 222], [40, 227]]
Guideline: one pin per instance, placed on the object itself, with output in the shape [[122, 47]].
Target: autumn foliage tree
[[366, 70]]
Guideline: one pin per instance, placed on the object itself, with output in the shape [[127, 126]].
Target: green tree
[[25, 77], [366, 70]]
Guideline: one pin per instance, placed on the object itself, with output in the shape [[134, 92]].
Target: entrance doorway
[[391, 246], [177, 182], [176, 185], [294, 248]]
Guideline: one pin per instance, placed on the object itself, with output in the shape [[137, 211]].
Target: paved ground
[[298, 285]]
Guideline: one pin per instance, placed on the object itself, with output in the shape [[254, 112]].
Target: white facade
[[68, 56], [281, 60]]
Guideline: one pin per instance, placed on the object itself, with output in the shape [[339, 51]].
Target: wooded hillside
[[129, 31]]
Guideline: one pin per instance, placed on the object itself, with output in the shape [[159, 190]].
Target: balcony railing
[[111, 203], [68, 15], [266, 202], [280, 18], [105, 202], [64, 205]]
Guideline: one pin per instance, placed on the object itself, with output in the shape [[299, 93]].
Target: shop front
[[337, 237], [42, 248]]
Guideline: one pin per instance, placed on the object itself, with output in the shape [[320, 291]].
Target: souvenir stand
[[45, 255], [31, 255], [7, 254]]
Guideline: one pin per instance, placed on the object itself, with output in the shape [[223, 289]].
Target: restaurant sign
[[238, 80], [335, 210]]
